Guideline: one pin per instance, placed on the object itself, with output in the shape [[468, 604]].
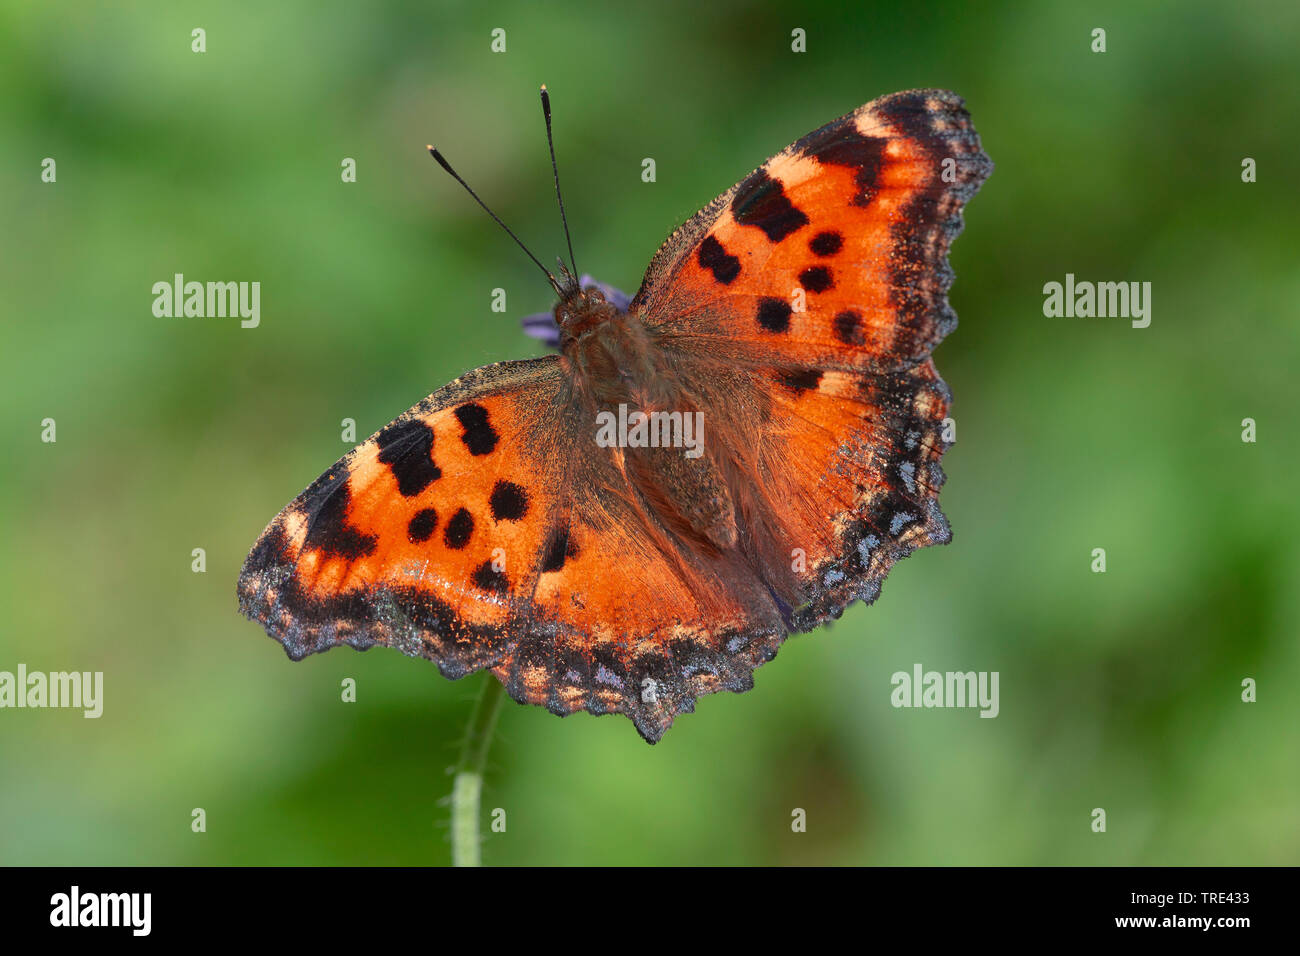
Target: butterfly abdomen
[[690, 494]]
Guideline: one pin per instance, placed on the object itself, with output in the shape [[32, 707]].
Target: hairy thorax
[[621, 376]]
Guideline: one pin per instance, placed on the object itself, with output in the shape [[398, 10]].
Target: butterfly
[[735, 454]]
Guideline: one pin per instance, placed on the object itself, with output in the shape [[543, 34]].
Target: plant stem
[[467, 785]]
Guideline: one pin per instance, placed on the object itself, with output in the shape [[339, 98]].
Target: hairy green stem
[[467, 785]]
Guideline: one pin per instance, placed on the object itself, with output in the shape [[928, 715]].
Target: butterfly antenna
[[546, 111], [456, 176]]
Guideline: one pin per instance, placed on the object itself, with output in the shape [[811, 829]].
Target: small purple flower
[[541, 325]]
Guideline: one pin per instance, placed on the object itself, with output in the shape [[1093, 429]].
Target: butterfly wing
[[820, 280], [833, 254], [428, 536], [484, 528], [627, 619], [841, 479]]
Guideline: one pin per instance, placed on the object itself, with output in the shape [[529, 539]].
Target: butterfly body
[[739, 452], [620, 373]]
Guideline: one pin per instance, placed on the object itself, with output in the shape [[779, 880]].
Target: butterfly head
[[581, 310], [584, 305]]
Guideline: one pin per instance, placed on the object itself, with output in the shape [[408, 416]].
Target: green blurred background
[[1118, 690]]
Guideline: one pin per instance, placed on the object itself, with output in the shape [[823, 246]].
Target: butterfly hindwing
[[860, 479]]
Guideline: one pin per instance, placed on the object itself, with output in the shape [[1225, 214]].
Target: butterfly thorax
[[610, 351], [620, 375]]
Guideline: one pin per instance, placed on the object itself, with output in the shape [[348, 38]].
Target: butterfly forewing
[[429, 536], [833, 254]]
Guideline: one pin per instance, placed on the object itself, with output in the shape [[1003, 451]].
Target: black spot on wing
[[407, 449], [800, 381], [490, 579], [909, 112], [863, 154], [422, 525], [328, 530], [479, 436], [826, 243], [774, 314], [760, 201], [713, 257], [457, 533], [509, 501], [816, 279], [848, 327], [559, 548]]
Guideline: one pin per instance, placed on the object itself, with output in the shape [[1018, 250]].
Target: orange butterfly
[[738, 453]]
